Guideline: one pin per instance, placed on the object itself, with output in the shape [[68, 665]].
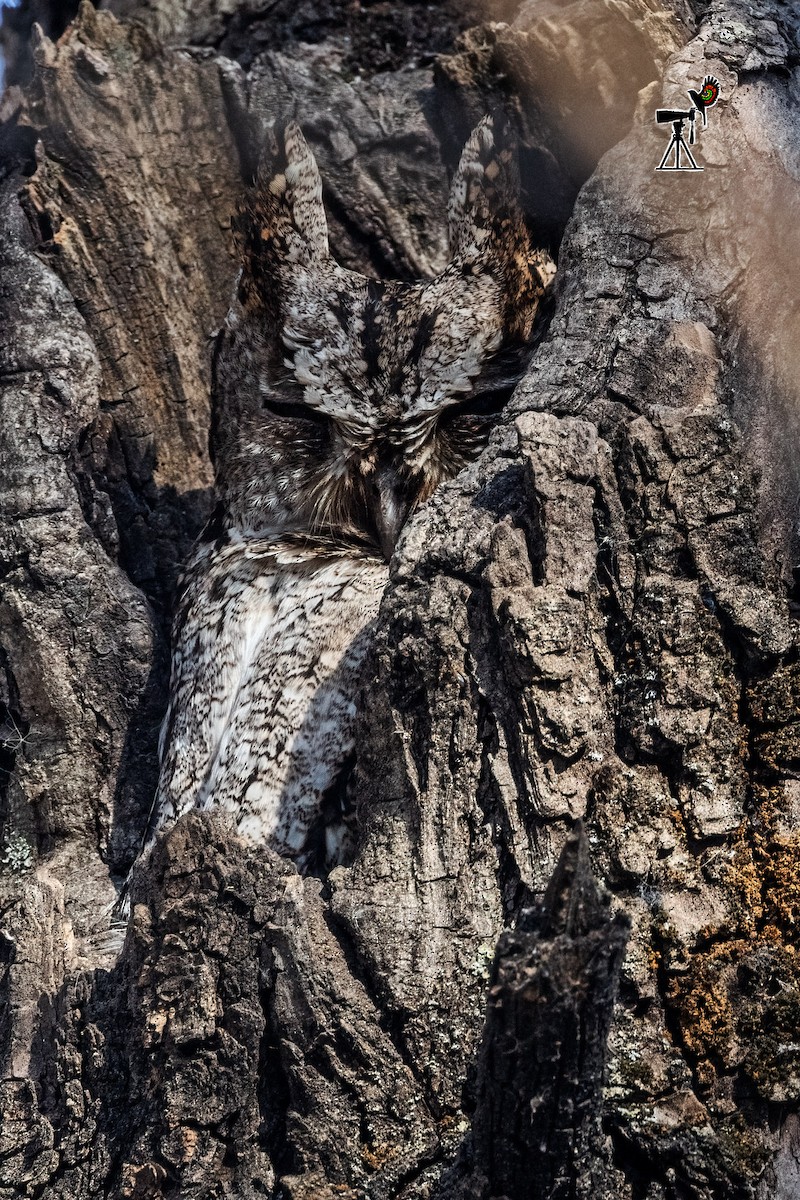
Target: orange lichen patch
[[766, 804], [715, 1018], [782, 882], [738, 1005], [735, 998], [744, 878], [771, 936], [705, 1075], [376, 1157], [700, 998], [779, 748], [764, 872]]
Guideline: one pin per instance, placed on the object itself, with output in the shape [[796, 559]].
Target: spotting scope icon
[[701, 102]]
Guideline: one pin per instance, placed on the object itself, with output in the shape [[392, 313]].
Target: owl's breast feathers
[[269, 644]]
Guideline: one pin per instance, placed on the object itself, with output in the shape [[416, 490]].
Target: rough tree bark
[[595, 623]]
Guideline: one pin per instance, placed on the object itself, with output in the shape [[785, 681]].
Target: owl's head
[[342, 402]]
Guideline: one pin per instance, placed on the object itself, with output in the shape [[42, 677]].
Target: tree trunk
[[564, 960]]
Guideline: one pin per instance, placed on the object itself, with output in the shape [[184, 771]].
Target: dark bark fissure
[[551, 995]]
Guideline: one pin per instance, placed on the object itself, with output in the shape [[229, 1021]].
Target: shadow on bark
[[536, 1128]]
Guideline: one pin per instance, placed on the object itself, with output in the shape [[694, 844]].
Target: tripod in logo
[[701, 102]]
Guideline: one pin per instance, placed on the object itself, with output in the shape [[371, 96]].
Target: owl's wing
[[227, 605], [293, 728]]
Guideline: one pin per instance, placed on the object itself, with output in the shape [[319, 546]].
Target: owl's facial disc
[[361, 453], [406, 473]]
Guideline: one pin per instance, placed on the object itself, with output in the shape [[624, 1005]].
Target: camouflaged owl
[[340, 404]]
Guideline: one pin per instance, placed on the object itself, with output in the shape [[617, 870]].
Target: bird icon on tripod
[[701, 102]]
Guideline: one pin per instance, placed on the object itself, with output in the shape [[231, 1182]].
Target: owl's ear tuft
[[488, 233], [296, 185], [283, 219], [484, 195]]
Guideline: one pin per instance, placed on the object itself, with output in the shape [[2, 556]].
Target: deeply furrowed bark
[[594, 623]]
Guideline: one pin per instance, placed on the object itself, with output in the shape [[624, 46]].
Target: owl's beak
[[391, 508]]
